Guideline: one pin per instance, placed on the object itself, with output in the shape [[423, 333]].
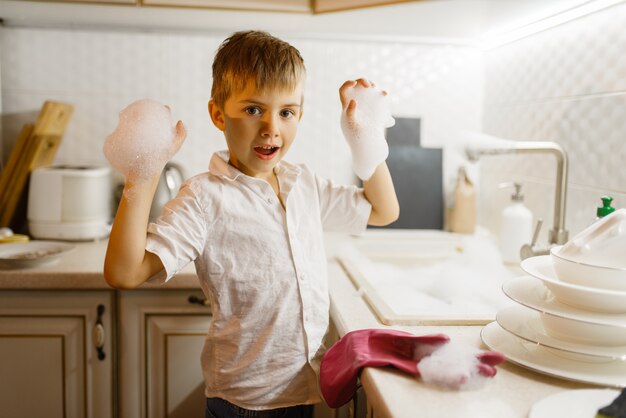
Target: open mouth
[[266, 151]]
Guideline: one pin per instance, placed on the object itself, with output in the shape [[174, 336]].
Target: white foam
[[143, 141], [452, 366], [365, 132], [374, 107], [464, 283]]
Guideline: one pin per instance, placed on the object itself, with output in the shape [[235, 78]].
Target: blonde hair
[[258, 57]]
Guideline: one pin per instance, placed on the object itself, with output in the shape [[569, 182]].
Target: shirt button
[[269, 200], [302, 276]]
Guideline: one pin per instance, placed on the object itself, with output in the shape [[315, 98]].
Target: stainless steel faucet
[[558, 234]]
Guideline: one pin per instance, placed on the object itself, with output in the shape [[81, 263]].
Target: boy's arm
[[366, 138], [379, 191], [127, 264]]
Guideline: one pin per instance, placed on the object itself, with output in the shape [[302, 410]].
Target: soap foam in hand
[[144, 140], [365, 129], [455, 366], [374, 110]]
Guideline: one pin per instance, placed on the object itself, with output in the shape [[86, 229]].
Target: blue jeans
[[219, 408]]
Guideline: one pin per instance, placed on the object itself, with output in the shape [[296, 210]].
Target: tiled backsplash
[[566, 84], [102, 72]]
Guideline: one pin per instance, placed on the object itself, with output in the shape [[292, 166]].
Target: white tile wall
[[101, 72], [566, 84]]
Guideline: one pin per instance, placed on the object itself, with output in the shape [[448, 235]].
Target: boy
[[253, 225]]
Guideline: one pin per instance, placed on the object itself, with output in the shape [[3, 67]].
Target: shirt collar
[[219, 166]]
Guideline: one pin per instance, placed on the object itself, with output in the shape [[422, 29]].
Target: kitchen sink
[[428, 277]]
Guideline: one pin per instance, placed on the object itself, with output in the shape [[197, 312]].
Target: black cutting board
[[417, 177]]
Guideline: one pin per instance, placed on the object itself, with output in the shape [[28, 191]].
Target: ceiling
[[457, 20], [435, 18]]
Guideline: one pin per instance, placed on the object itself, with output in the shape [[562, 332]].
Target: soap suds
[[464, 283], [365, 133], [143, 141], [374, 110], [452, 366]]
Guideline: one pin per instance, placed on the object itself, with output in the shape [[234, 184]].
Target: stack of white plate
[[570, 325]]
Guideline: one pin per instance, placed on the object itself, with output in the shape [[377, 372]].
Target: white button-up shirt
[[264, 271]]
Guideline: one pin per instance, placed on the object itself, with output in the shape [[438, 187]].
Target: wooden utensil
[[35, 147]]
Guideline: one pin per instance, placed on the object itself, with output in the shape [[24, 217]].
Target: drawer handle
[[98, 334], [198, 301]]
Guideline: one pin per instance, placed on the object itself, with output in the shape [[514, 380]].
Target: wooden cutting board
[[35, 147]]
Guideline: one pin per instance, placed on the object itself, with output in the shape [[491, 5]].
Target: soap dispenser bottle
[[606, 207], [515, 227]]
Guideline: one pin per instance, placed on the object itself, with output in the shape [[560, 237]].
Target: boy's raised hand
[[365, 116], [144, 140]]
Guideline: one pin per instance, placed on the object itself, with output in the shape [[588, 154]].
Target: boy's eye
[[287, 113], [252, 110]]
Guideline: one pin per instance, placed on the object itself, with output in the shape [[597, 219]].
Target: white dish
[[585, 274], [593, 299], [584, 332], [537, 358], [600, 244], [32, 253], [530, 291], [578, 403], [526, 324]]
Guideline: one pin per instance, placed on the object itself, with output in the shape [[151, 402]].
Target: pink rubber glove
[[342, 363]]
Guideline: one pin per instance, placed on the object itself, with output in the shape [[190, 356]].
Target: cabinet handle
[[98, 334], [198, 301]]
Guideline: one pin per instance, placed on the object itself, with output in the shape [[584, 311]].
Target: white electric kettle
[[171, 179]]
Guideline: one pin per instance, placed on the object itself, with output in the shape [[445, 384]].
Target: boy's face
[[259, 127]]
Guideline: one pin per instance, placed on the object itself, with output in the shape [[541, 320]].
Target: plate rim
[[535, 413], [530, 262], [14, 263], [578, 314], [514, 358], [555, 345], [65, 245]]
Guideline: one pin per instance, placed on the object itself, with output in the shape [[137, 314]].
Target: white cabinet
[[105, 354], [90, 1], [303, 6], [56, 357], [161, 336]]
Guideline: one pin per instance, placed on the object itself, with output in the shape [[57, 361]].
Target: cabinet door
[[162, 335], [303, 6], [93, 1], [49, 365], [174, 376]]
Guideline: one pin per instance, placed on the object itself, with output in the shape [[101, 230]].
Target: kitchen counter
[[81, 269], [510, 393]]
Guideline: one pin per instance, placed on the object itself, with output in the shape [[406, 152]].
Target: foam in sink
[[464, 285]]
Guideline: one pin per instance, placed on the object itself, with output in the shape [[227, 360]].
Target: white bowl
[[588, 275], [583, 332], [582, 297]]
